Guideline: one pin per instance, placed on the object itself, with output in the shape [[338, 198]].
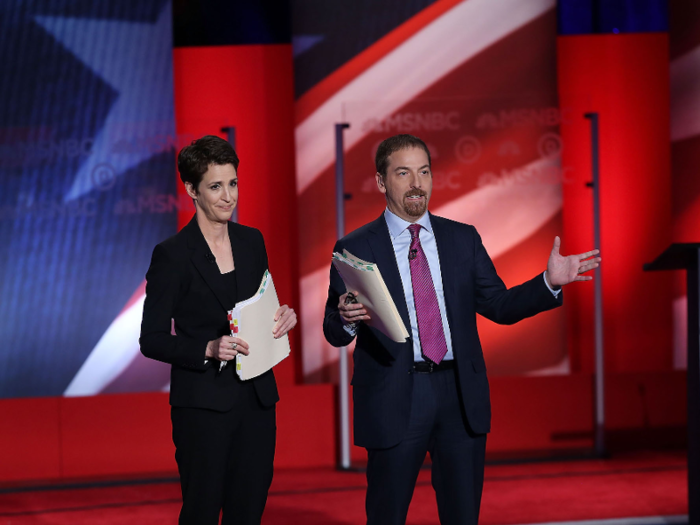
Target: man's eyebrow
[[407, 168]]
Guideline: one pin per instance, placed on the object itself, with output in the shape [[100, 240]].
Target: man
[[430, 393]]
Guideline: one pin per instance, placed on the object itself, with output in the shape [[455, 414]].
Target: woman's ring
[[234, 345]]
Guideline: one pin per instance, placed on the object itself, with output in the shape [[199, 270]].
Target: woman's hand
[[286, 319], [226, 348]]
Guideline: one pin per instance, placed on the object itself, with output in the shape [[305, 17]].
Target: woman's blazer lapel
[[204, 261]]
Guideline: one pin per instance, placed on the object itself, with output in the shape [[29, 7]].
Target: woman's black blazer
[[183, 284]]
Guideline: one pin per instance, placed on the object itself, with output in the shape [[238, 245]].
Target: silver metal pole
[[343, 381], [231, 138], [598, 290]]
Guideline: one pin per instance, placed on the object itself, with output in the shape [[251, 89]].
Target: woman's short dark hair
[[194, 160], [394, 144]]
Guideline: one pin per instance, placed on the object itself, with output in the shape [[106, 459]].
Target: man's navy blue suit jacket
[[382, 379]]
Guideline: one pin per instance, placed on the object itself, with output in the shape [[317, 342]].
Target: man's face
[[408, 183]]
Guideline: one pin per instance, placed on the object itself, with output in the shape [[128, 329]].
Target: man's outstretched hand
[[564, 270]]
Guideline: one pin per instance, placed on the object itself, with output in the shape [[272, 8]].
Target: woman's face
[[217, 194]]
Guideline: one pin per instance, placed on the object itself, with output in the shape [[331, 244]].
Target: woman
[[223, 428]]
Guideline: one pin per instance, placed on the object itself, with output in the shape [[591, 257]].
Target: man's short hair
[[394, 144], [194, 160]]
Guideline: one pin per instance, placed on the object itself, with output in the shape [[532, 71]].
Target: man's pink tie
[[430, 331]]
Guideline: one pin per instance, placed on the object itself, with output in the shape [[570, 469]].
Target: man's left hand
[[564, 270]]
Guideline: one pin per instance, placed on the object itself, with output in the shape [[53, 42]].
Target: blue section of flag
[[302, 43], [87, 172]]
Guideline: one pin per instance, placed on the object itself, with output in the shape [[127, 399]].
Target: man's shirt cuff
[[555, 293], [350, 328]]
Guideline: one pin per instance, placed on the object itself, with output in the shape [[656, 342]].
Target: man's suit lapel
[[383, 250], [204, 261]]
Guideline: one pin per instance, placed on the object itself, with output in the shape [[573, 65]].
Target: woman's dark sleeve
[[157, 341]]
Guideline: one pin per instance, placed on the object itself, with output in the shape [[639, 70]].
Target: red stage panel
[[306, 427], [625, 79], [535, 414], [29, 441], [112, 435], [541, 413]]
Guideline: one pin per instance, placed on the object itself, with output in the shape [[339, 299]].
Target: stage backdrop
[[88, 188], [477, 81]]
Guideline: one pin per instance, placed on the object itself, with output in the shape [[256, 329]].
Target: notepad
[[253, 320], [365, 278]]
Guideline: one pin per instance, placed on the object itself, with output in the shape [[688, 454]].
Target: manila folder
[[256, 319], [365, 278]]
